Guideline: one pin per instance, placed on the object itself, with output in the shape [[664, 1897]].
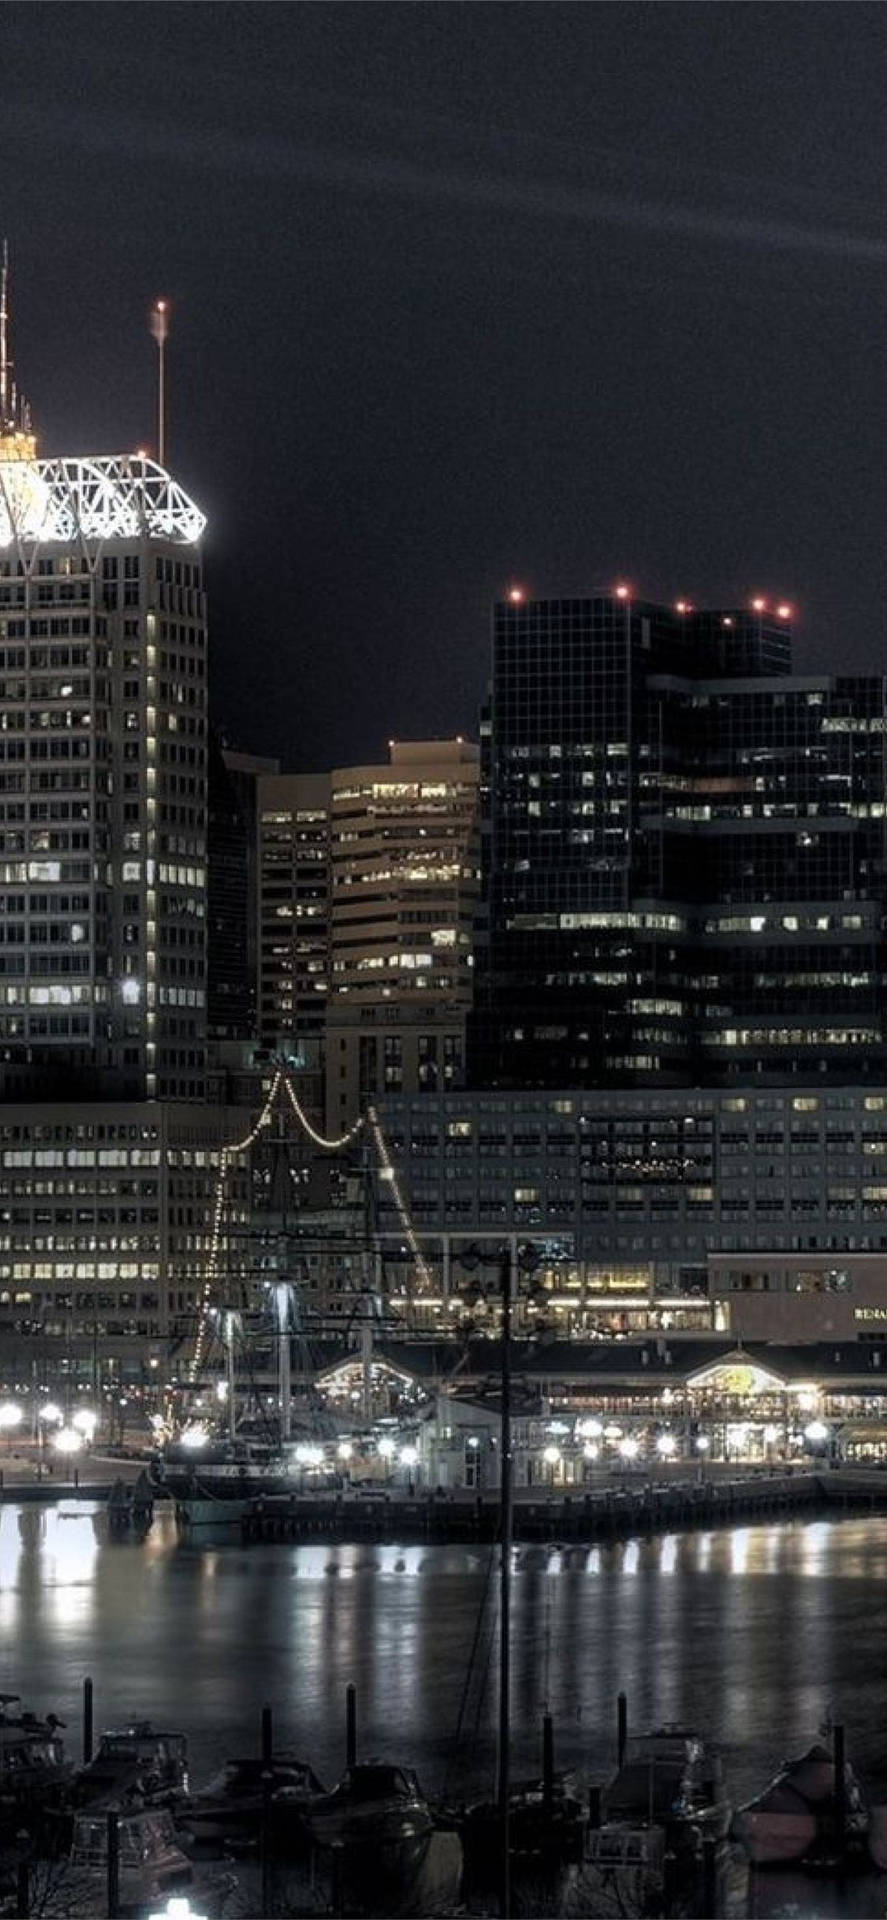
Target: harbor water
[[753, 1635]]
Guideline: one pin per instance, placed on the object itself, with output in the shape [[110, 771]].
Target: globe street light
[[816, 1434]]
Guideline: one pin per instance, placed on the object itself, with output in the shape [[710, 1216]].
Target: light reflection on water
[[750, 1633]]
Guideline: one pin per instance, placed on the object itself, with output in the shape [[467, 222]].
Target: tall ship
[[225, 1473]]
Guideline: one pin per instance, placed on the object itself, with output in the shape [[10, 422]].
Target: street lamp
[[11, 1417], [816, 1434], [85, 1422], [67, 1441]]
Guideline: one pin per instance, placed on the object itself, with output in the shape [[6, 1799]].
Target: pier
[[584, 1516]]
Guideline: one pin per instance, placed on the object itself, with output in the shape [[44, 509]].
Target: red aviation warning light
[[784, 611], [758, 605], [516, 595], [623, 592]]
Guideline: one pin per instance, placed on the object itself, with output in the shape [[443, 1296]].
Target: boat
[[137, 1764], [375, 1805], [664, 1815], [33, 1769], [379, 1830], [229, 1811], [214, 1485], [546, 1829], [151, 1862], [797, 1817]]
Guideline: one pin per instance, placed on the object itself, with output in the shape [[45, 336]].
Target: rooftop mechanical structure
[[87, 501]]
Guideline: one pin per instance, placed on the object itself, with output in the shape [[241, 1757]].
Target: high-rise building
[[108, 1153], [403, 895], [293, 923], [232, 891], [368, 889], [102, 779], [684, 852]]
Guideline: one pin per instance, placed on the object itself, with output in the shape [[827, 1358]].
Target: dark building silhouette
[[684, 853], [232, 902]]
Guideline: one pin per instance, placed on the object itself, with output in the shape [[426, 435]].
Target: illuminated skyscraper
[[368, 894], [107, 1154], [102, 777]]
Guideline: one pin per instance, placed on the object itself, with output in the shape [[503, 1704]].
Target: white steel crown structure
[[113, 497]]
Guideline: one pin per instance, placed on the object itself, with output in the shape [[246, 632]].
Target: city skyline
[[493, 297]]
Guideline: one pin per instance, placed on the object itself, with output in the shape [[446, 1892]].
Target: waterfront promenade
[[28, 1475], [614, 1506]]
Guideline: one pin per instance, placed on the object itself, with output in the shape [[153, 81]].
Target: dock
[[579, 1517]]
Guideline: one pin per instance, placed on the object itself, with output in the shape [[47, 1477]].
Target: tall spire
[[5, 422], [17, 442]]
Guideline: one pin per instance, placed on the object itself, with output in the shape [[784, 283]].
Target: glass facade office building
[[684, 853]]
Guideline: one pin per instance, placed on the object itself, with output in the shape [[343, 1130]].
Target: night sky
[[464, 295]]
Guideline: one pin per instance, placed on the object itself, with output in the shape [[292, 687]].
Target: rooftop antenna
[[159, 330], [4, 339]]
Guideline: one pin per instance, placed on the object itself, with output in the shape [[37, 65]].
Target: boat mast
[[367, 1300], [507, 1510], [284, 1383], [229, 1365]]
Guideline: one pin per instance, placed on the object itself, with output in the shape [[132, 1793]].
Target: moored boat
[[546, 1828], [138, 1764], [33, 1769], [671, 1779], [151, 1862], [212, 1486], [663, 1816], [244, 1795], [378, 1827], [797, 1817]]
